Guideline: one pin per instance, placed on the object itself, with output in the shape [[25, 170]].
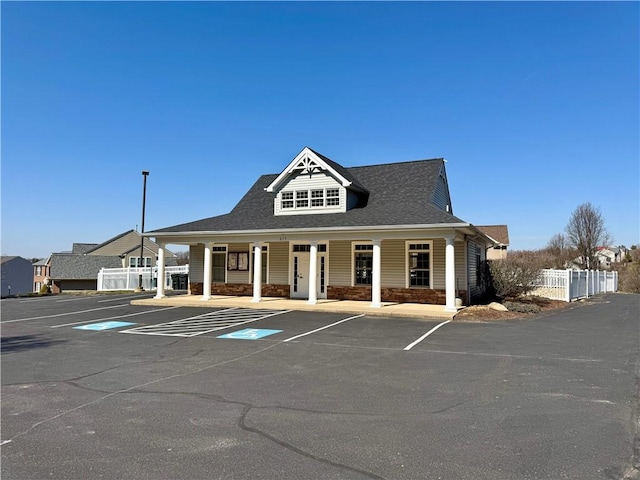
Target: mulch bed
[[482, 313]]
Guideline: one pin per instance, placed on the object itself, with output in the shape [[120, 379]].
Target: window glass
[[364, 267], [419, 265]]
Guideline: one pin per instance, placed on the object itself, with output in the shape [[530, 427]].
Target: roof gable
[[307, 162]]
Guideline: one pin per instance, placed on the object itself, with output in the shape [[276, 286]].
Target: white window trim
[[407, 274], [143, 262], [309, 199], [226, 259], [353, 262]]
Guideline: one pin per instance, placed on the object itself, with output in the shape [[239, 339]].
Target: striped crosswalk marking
[[208, 322]]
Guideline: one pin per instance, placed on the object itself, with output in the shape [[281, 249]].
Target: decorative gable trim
[[307, 162]]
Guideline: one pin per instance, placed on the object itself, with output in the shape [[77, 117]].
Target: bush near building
[[629, 272]]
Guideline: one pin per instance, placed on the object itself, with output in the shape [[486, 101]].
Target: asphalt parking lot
[[93, 387]]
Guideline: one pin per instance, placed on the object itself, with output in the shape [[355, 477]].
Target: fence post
[[567, 289]]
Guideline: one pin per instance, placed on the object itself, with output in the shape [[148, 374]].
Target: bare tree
[[586, 232], [516, 274], [559, 251], [182, 258]]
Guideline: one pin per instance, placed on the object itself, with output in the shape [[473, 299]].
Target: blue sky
[[534, 106]]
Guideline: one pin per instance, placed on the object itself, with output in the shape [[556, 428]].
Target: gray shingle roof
[[69, 266], [399, 194], [82, 247]]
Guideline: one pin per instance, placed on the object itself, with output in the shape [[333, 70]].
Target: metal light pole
[[144, 199]]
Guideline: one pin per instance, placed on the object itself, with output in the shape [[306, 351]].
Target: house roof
[[124, 244], [83, 247], [499, 233], [111, 240], [400, 194], [10, 258], [71, 266]]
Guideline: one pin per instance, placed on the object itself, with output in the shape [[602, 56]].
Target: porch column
[[450, 275], [313, 272], [376, 276], [257, 272], [206, 286], [160, 287]]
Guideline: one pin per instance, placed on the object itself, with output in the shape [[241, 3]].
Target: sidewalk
[[388, 309]]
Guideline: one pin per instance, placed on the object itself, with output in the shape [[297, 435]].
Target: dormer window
[[333, 197], [312, 184], [313, 198], [302, 199], [287, 200]]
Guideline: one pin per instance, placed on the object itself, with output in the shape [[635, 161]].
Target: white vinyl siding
[[303, 202], [340, 272], [279, 263], [392, 263], [196, 263], [438, 264]]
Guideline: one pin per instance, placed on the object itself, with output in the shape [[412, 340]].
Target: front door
[[300, 275]]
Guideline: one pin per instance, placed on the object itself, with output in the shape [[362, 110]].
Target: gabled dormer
[[313, 184]]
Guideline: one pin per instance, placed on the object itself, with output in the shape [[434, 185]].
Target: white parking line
[[413, 344], [74, 299], [123, 297], [64, 314], [322, 328], [113, 318]]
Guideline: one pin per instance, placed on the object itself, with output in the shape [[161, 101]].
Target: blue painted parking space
[[250, 334], [103, 326]]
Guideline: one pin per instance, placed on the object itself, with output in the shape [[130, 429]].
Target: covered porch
[[413, 266], [353, 307]]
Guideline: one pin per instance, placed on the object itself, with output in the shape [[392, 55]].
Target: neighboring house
[[72, 271], [500, 236], [607, 256], [78, 269], [17, 274], [384, 233], [40, 274], [127, 247]]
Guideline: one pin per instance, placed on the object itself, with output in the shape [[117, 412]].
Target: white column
[[257, 272], [450, 275], [206, 283], [313, 272], [160, 288], [376, 276]]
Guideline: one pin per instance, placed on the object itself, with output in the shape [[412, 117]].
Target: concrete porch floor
[[388, 309]]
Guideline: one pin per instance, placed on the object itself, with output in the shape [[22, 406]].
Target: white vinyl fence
[[570, 285], [129, 278]]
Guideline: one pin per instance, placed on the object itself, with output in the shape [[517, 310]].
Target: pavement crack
[[242, 423], [133, 388]]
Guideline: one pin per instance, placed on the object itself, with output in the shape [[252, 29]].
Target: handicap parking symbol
[[249, 334], [103, 326]]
